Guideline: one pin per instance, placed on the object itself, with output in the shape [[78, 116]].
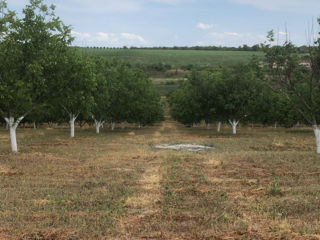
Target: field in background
[[260, 184], [176, 58], [166, 85], [166, 80]]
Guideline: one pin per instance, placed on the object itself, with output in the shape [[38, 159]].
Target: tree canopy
[[30, 49]]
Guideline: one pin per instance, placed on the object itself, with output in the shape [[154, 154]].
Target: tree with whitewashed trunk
[[118, 76], [30, 49], [75, 87], [132, 96], [195, 100], [299, 84], [101, 94], [219, 126], [235, 92]]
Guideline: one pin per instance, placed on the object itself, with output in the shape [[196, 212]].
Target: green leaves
[[297, 82], [73, 89], [184, 106], [30, 48], [131, 96], [215, 95]]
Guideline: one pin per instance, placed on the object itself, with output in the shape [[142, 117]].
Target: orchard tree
[[299, 84], [132, 96], [145, 104], [203, 83], [272, 108], [30, 49], [236, 91], [196, 100], [74, 87], [118, 77], [183, 105], [101, 94]]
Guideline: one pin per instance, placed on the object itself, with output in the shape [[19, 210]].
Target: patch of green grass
[[275, 189]]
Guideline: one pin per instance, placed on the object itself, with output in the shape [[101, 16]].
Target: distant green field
[[166, 85], [176, 58]]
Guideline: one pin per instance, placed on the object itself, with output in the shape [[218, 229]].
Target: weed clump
[[275, 189]]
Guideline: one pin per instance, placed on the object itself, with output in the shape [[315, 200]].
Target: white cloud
[[204, 26], [133, 37], [232, 39], [307, 6], [81, 35], [108, 39]]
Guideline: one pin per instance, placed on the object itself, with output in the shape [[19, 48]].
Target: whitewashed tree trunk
[[98, 125], [316, 131], [234, 125], [122, 125], [13, 128], [34, 125], [113, 124], [208, 126], [219, 127], [13, 138], [275, 125], [139, 126], [71, 122]]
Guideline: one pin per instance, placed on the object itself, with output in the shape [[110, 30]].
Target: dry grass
[[260, 184]]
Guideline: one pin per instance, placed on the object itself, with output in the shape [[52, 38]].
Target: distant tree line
[[245, 48]]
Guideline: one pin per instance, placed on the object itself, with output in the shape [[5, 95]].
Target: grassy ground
[[260, 184], [176, 58]]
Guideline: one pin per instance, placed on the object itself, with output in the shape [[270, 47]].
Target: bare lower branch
[[65, 109]]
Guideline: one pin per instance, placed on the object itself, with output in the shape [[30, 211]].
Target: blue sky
[[117, 23]]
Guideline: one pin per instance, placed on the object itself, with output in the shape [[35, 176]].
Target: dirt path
[[144, 204]]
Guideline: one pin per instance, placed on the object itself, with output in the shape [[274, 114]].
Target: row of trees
[[41, 76], [284, 91], [246, 48], [230, 95]]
